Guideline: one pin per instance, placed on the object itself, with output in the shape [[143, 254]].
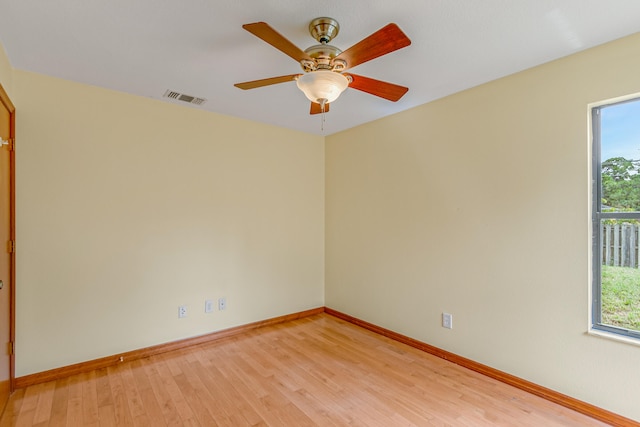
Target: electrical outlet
[[222, 303], [447, 320], [208, 306], [182, 311]]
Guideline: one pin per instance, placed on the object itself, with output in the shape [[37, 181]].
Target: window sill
[[614, 337]]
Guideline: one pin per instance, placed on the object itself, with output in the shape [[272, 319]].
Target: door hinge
[[8, 142], [10, 348], [11, 246]]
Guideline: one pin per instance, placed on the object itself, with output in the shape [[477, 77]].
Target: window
[[616, 218]]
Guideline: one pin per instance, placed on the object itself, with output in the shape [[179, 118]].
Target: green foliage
[[621, 297], [621, 184], [619, 221]]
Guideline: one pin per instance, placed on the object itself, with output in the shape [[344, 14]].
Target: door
[[6, 248]]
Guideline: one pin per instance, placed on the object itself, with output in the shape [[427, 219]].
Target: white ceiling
[[198, 47]]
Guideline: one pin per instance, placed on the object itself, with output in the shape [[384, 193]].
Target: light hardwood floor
[[315, 371]]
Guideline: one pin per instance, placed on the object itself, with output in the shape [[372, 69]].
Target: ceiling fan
[[324, 65]]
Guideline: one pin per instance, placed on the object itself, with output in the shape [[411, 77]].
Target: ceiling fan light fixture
[[322, 86]]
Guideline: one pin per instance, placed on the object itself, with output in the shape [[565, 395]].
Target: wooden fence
[[620, 245]]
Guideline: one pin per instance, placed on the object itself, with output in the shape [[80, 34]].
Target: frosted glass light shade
[[322, 85]]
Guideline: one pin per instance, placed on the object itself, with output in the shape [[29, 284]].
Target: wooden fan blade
[[385, 90], [317, 108], [265, 32], [383, 41], [266, 82]]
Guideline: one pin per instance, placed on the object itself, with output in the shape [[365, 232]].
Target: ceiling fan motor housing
[[322, 58]]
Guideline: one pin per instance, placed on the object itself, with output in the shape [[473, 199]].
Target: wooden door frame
[[4, 98]]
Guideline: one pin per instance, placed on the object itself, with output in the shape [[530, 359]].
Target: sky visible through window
[[620, 132]]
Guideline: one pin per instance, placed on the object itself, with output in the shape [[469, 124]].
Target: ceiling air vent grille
[[185, 98]]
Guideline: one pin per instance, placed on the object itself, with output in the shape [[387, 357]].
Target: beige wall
[[478, 205], [6, 72], [128, 207]]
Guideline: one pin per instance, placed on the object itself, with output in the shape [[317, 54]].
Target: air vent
[[185, 98]]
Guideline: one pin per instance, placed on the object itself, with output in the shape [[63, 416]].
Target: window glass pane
[[620, 156], [620, 285], [617, 227]]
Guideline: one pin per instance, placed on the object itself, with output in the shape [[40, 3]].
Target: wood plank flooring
[[315, 371]]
